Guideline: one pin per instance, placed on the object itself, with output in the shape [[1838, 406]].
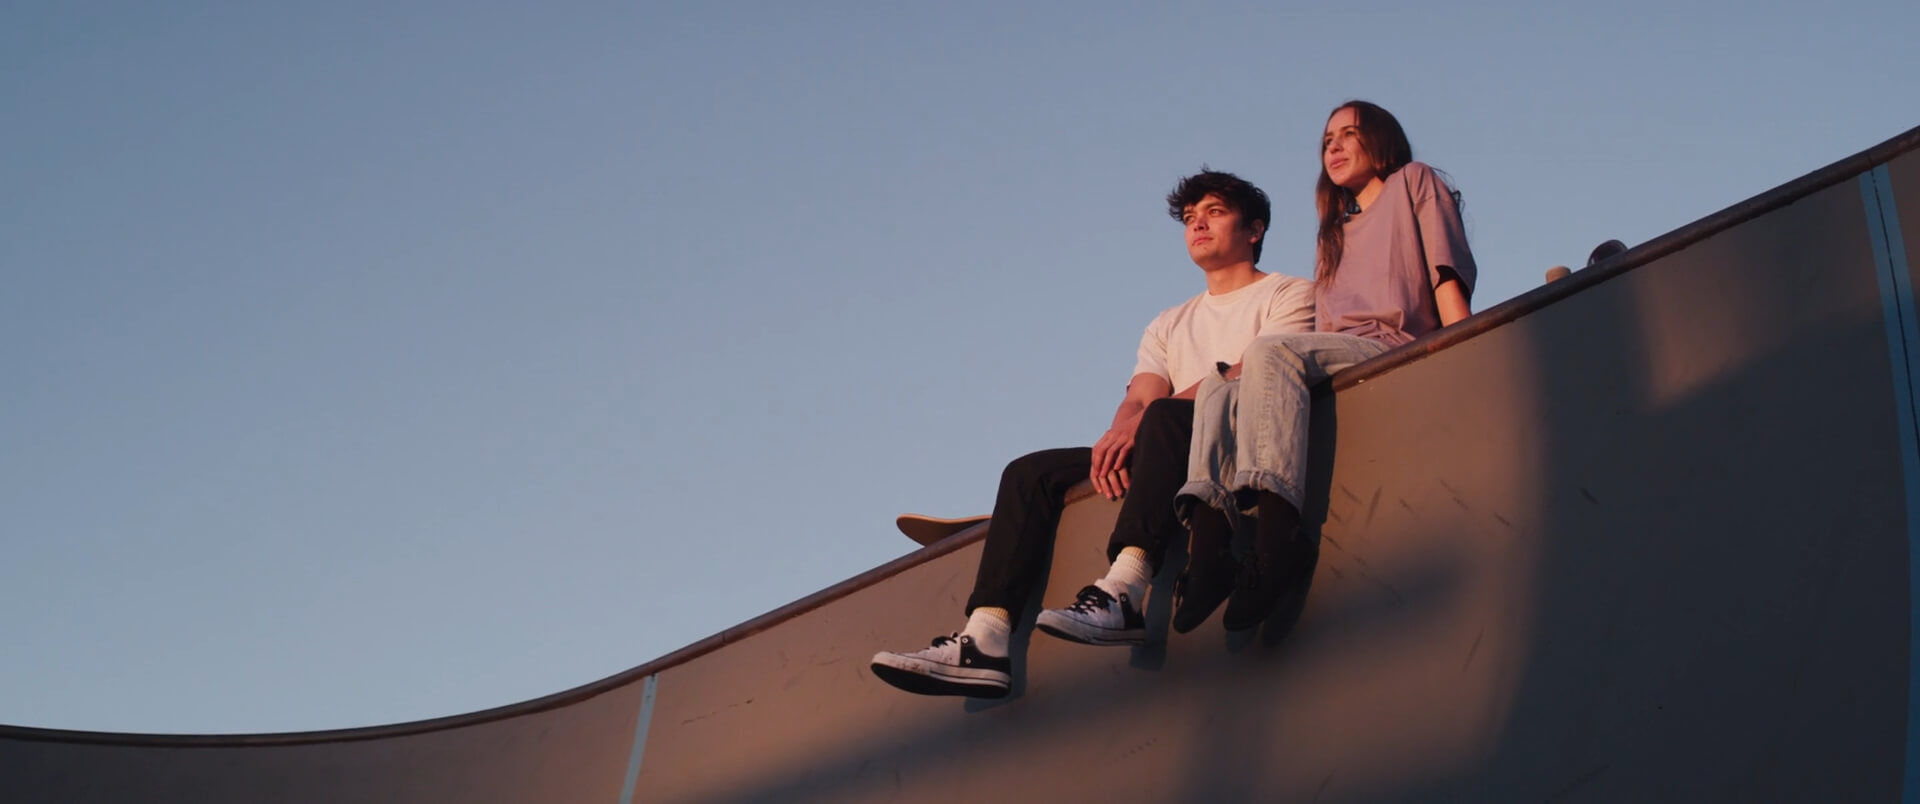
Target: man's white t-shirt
[[1183, 343]]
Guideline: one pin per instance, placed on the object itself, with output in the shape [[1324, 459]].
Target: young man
[[1142, 457]]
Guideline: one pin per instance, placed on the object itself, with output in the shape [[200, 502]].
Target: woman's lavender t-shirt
[[1392, 258]]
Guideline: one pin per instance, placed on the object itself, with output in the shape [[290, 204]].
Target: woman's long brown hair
[[1386, 146]]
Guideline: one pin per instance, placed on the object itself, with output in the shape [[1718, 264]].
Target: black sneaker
[[953, 666], [1096, 618], [1263, 582], [1202, 588]]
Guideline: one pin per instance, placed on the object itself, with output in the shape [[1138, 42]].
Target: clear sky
[[368, 362]]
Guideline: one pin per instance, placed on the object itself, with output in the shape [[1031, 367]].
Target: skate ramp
[[1642, 534]]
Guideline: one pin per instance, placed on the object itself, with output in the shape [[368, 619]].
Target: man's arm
[[1109, 473]]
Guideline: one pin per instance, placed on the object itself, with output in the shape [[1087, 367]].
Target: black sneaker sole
[[921, 684]]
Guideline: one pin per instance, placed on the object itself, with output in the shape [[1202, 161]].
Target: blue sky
[[369, 362]]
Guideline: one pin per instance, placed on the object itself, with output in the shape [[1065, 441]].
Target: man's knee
[[1020, 470], [1031, 468], [1165, 411], [1164, 428]]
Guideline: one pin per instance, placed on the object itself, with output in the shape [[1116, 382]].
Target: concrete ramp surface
[[1643, 534]]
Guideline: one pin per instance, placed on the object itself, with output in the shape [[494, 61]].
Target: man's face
[[1215, 236]]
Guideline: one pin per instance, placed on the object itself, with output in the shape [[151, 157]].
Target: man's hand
[[1109, 475], [1110, 453]]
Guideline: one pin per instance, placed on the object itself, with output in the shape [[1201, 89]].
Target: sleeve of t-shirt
[[1290, 309], [1441, 232], [1153, 350]]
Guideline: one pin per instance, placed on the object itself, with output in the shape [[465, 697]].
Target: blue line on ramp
[[1903, 342], [639, 738]]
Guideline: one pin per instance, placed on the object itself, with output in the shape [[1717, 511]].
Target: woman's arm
[[1444, 236], [1452, 301]]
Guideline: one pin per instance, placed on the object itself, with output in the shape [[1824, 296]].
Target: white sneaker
[[1096, 618], [953, 666]]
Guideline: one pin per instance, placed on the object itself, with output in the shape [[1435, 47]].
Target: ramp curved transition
[[1643, 533]]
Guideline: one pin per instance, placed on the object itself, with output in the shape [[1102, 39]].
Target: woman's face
[[1346, 162]]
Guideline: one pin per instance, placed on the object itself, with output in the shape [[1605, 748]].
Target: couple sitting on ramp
[[1214, 423]]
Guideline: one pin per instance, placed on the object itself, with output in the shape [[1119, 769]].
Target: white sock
[[990, 628], [1129, 574]]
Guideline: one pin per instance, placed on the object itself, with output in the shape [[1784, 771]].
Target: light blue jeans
[[1250, 434]]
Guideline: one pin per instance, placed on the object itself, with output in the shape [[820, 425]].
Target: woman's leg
[[1275, 398], [1210, 455], [1207, 506], [1277, 379]]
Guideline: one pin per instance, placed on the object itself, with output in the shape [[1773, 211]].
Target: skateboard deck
[[929, 529]]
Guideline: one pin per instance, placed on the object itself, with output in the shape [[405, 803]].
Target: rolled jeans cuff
[[1248, 483], [1210, 494]]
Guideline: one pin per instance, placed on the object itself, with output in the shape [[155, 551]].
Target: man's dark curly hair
[[1239, 194]]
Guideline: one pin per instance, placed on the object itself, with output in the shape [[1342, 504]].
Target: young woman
[[1392, 265]]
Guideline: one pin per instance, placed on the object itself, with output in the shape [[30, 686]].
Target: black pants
[[1033, 489]]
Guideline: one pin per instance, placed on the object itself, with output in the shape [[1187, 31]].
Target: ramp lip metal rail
[[1492, 318], [1519, 306]]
